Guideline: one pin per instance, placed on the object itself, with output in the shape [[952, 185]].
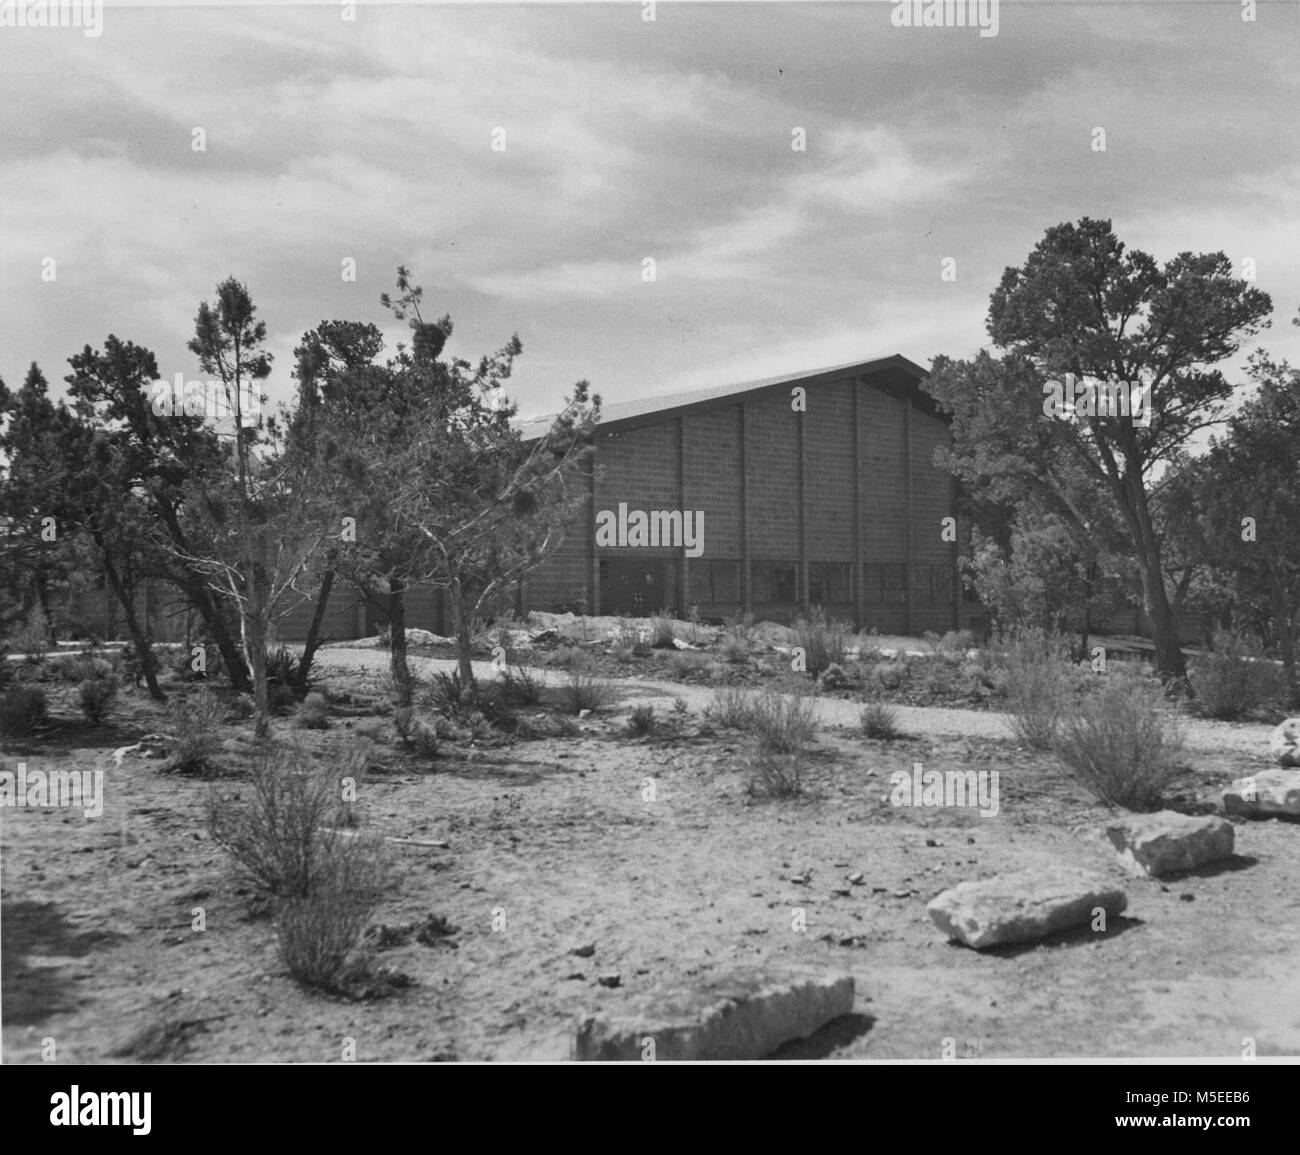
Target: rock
[[611, 979], [1284, 743], [1265, 793], [856, 878], [746, 1015], [584, 951], [1158, 844], [1022, 906]]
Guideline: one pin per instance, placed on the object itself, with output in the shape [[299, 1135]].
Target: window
[[935, 585], [775, 581], [871, 579], [894, 581], [830, 583], [719, 581]]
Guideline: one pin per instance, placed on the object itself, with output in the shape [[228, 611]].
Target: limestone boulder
[[1153, 845], [1262, 795], [1023, 906], [1284, 743], [746, 1015]]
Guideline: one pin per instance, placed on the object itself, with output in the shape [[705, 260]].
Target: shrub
[[663, 636], [834, 677], [682, 664], [314, 713], [729, 708], [1234, 679], [97, 697], [520, 687], [194, 724], [283, 835], [890, 675], [33, 636], [6, 670], [582, 690], [735, 645], [880, 721], [320, 933], [823, 642], [414, 732], [1037, 687], [284, 839], [281, 667], [1123, 742], [776, 775], [783, 723], [22, 710], [641, 721], [469, 704]]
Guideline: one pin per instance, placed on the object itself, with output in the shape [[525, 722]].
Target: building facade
[[773, 498]]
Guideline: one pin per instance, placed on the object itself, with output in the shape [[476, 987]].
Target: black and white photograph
[[651, 532]]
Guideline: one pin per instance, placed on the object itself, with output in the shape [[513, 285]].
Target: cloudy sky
[[624, 140]]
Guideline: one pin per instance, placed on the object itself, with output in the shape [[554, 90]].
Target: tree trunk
[[313, 632], [464, 642], [397, 641], [143, 649], [1285, 634]]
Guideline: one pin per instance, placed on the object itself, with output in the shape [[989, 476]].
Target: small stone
[[1168, 842], [611, 979], [856, 878], [842, 892], [577, 976], [1187, 897], [1266, 793], [584, 951], [902, 894], [931, 842]]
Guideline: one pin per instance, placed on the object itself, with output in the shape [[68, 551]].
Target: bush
[[823, 642], [1234, 679], [320, 933], [582, 690], [284, 839], [729, 708], [520, 687], [314, 713], [283, 835], [834, 677], [641, 721], [1123, 742], [891, 674], [735, 645], [194, 724], [782, 723], [6, 670], [22, 710], [776, 775], [97, 697], [414, 732], [683, 664], [663, 635], [33, 636], [1037, 687], [469, 704], [880, 721]]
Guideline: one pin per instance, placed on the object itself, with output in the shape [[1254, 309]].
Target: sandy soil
[[551, 846]]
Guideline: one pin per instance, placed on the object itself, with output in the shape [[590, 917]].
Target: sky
[[371, 140]]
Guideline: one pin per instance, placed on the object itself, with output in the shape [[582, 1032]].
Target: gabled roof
[[895, 374]]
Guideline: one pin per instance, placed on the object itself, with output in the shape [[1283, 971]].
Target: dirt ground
[[551, 847]]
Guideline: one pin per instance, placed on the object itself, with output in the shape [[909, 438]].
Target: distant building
[[815, 489]]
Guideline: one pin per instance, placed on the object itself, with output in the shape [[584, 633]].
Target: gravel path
[[1201, 734]]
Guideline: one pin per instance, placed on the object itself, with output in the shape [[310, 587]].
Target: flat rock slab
[[1284, 743], [1153, 845], [743, 1016], [1023, 906], [1266, 793]]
